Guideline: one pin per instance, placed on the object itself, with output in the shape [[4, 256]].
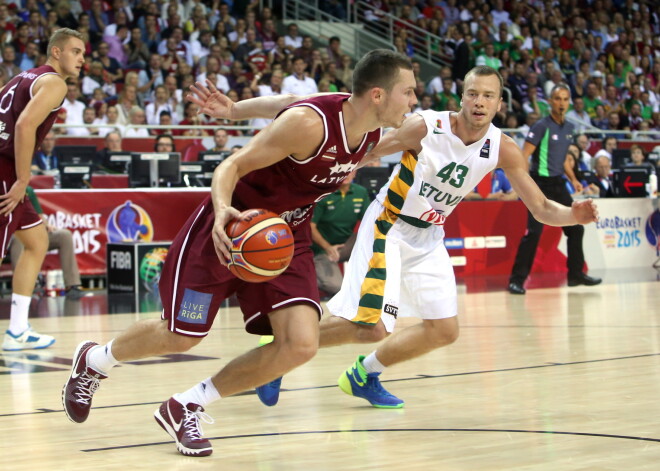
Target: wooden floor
[[559, 379]]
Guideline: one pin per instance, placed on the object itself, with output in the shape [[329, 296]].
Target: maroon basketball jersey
[[13, 100], [291, 187]]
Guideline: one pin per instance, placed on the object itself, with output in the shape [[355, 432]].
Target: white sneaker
[[26, 341]]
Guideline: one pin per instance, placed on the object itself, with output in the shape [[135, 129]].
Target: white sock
[[372, 365], [18, 317], [101, 359], [203, 394]]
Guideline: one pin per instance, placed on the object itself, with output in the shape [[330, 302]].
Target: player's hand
[[333, 252], [210, 100], [12, 198], [221, 240], [585, 211]]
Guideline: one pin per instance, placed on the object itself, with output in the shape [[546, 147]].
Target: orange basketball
[[262, 245]]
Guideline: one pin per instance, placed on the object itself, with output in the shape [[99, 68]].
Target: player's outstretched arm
[[407, 137], [216, 104], [544, 210], [272, 144]]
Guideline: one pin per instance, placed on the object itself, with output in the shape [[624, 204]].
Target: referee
[[547, 143]]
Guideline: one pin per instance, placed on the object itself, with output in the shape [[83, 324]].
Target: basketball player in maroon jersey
[[308, 150], [29, 104]]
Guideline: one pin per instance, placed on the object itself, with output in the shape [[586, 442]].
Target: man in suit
[[461, 62], [602, 177]]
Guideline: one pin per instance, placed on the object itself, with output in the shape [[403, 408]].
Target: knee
[[299, 351], [440, 334], [372, 333]]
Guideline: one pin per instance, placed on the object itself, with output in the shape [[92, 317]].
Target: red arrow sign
[[628, 184]]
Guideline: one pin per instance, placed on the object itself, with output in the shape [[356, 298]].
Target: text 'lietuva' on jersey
[[425, 188], [14, 98]]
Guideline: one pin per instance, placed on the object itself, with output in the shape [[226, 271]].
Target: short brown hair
[[61, 36], [378, 68], [485, 71]]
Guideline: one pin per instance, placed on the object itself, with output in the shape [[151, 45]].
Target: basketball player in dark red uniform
[[303, 155], [28, 107]]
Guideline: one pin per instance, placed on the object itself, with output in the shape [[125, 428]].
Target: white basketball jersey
[[425, 189]]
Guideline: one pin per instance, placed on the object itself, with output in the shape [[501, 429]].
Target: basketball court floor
[[559, 379]]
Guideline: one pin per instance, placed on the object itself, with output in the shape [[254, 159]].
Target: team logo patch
[[485, 150], [390, 309], [194, 308]]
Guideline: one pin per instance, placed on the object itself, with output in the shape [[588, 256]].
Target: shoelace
[[374, 384], [88, 386], [192, 425]]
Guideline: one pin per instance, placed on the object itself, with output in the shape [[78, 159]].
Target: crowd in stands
[[606, 51], [143, 55]]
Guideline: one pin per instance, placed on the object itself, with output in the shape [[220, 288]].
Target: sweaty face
[[398, 101], [72, 57], [481, 99]]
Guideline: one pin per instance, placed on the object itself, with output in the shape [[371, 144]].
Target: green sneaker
[[355, 381]]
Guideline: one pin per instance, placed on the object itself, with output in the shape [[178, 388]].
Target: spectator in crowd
[[572, 166], [110, 65], [446, 94], [29, 57], [44, 160], [578, 116], [136, 117], [89, 115], [601, 179], [601, 120], [292, 39], [138, 52], [109, 122], [60, 240], [608, 145], [213, 67], [614, 124], [151, 76], [298, 83], [333, 231], [161, 103], [73, 107], [8, 65], [638, 158], [220, 138], [102, 161], [500, 187], [127, 100], [583, 143], [164, 143], [591, 99]]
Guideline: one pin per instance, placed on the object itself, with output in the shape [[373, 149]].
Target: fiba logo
[[271, 238], [653, 229], [151, 267], [129, 223]]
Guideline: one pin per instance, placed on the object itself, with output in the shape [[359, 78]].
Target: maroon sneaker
[[182, 423], [81, 386]]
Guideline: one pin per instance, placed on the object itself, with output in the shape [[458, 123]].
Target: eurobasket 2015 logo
[[151, 267], [129, 223]]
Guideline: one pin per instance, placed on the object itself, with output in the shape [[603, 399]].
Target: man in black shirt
[[547, 143]]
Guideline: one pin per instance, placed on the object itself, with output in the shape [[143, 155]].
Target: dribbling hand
[[585, 211], [221, 241], [210, 100]]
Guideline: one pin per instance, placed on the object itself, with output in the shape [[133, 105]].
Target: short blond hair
[[61, 36]]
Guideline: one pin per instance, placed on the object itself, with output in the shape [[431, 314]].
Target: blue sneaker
[[269, 393], [355, 381], [28, 340]]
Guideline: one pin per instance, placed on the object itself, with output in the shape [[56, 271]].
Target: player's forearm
[[554, 214], [24, 141], [223, 183], [262, 107]]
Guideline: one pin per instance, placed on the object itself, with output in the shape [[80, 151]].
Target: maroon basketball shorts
[[194, 284], [23, 216]]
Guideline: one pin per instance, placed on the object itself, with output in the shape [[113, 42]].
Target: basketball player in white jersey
[[399, 265]]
